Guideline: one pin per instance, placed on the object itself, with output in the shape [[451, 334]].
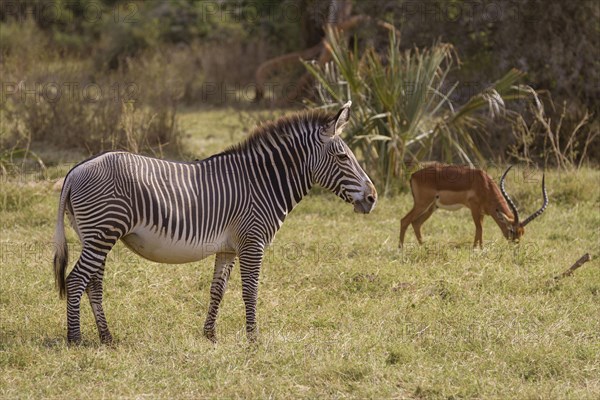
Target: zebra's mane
[[283, 126]]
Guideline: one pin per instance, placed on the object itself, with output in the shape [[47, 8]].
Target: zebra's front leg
[[94, 291], [223, 264], [250, 263]]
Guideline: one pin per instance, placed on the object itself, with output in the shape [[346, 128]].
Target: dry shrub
[[564, 137], [71, 110], [233, 61], [68, 104], [228, 71]]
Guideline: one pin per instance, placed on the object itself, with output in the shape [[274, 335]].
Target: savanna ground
[[342, 312]]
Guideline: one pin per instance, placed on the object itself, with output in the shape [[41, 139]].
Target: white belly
[[449, 207], [451, 201], [153, 247]]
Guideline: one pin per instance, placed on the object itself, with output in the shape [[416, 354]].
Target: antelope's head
[[513, 228]]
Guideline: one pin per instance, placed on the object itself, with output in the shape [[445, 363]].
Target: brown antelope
[[451, 187]]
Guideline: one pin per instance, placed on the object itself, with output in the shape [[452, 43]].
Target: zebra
[[230, 204]]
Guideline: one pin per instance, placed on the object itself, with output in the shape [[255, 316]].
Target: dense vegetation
[[101, 74]]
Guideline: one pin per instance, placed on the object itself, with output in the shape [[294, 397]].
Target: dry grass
[[342, 312]]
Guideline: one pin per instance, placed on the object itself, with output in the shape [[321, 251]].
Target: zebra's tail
[[61, 257]]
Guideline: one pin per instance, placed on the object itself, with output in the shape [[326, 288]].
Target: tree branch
[[582, 260]]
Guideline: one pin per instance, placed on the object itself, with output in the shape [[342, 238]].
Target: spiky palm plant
[[401, 103]]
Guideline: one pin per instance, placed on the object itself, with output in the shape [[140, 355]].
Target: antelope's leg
[[224, 263], [404, 223], [408, 219], [477, 219], [418, 221]]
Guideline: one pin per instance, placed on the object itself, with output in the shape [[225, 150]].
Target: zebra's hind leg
[[250, 263], [223, 264], [90, 263], [94, 291]]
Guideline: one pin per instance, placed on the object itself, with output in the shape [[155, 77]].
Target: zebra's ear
[[340, 120]]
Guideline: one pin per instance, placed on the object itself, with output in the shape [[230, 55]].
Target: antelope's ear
[[340, 120]]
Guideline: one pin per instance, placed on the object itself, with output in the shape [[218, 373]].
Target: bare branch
[[582, 260]]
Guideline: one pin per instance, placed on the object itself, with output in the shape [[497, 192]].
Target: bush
[[69, 104], [566, 142], [71, 110], [402, 105]]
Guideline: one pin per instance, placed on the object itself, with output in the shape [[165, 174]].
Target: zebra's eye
[[342, 156]]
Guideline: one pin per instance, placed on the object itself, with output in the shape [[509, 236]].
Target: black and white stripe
[[230, 204]]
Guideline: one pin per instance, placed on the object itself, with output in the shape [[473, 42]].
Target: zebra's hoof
[[74, 341], [106, 339], [211, 335], [252, 335]]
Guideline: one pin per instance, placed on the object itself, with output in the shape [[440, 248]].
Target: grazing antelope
[[451, 187]]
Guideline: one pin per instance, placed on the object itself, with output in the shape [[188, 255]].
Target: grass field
[[342, 312]]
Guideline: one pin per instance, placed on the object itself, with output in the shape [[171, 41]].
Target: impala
[[451, 187]]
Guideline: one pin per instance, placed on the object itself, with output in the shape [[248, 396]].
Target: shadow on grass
[[60, 342]]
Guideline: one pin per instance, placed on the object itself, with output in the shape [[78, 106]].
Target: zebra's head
[[337, 169]]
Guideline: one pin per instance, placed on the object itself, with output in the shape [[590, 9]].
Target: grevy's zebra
[[230, 204]]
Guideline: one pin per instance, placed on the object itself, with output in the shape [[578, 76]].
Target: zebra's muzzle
[[367, 203]]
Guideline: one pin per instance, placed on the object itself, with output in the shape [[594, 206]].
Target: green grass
[[342, 312], [211, 131]]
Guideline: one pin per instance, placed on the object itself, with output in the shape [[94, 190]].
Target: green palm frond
[[402, 105]]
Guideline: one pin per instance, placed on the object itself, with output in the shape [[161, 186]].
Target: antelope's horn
[[512, 205], [543, 208]]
